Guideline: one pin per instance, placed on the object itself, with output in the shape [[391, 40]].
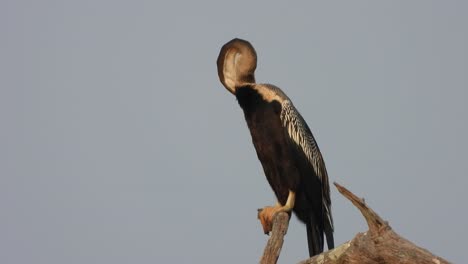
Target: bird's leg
[[267, 213]]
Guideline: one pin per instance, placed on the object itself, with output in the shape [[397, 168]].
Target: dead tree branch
[[275, 243], [380, 244]]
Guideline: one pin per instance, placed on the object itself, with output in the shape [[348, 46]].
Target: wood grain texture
[[275, 242], [380, 244]]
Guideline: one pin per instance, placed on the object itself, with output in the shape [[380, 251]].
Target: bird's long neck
[[248, 98]]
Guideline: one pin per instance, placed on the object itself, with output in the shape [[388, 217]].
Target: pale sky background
[[118, 144]]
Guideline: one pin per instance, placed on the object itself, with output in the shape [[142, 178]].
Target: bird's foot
[[266, 215]]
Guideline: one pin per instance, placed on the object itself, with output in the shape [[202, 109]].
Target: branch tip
[[374, 221]]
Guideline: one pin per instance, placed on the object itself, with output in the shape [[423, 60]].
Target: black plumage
[[285, 146]]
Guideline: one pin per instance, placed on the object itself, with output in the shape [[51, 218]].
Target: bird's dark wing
[[299, 133]]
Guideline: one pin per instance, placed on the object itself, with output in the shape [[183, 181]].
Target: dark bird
[[289, 154]]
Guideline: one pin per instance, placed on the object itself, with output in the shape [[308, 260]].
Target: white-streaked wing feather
[[299, 132]]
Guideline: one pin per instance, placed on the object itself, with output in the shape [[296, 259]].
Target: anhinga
[[290, 157]]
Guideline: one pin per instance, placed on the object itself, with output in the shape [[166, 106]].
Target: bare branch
[[275, 243], [378, 245]]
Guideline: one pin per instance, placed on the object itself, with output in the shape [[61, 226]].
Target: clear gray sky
[[118, 144]]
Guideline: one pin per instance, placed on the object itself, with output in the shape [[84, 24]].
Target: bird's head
[[236, 62]]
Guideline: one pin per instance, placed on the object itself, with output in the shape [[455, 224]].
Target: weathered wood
[[275, 243], [380, 244]]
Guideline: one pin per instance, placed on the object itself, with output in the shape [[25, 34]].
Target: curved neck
[[237, 62]]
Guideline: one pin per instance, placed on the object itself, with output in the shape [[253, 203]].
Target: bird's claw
[[266, 217]]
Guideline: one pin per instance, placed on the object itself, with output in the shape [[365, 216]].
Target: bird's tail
[[328, 227], [314, 237], [329, 235]]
